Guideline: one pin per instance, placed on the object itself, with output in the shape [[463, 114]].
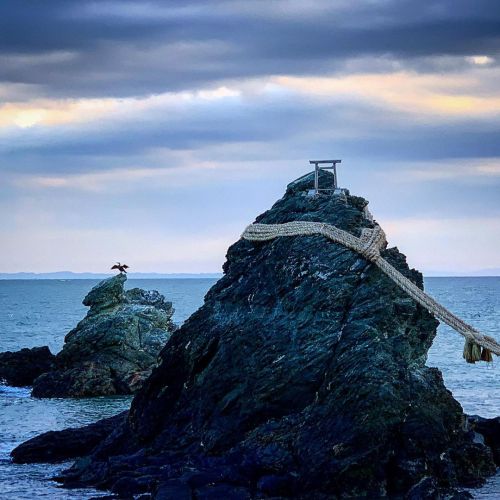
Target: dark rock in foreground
[[114, 348], [303, 374], [57, 446], [21, 368], [489, 428]]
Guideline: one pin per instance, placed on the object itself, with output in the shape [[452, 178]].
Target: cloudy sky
[[154, 132]]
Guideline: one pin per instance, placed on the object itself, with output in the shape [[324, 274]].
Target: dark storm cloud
[[113, 142], [121, 48], [273, 127]]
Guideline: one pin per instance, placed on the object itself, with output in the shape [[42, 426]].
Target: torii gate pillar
[[325, 165]]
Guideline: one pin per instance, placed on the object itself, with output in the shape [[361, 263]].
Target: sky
[[154, 132]]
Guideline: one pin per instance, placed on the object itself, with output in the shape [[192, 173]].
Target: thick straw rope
[[369, 245]]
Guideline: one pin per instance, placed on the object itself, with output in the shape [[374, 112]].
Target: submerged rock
[[21, 368], [303, 374], [114, 348]]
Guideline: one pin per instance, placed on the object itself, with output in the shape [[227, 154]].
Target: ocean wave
[[14, 392]]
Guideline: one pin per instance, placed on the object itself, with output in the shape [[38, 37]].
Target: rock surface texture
[[114, 348], [21, 368], [489, 429], [57, 446], [303, 375]]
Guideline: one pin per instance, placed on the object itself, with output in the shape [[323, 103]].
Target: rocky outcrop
[[489, 429], [21, 368], [114, 348], [303, 374], [57, 446]]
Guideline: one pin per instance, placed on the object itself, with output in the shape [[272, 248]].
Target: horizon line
[[30, 275]]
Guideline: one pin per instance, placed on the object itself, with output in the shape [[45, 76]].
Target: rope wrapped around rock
[[478, 347]]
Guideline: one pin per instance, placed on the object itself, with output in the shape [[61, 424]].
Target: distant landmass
[[68, 275]]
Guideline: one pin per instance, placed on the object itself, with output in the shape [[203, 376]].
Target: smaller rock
[[114, 348], [489, 428], [87, 379], [21, 368], [57, 446]]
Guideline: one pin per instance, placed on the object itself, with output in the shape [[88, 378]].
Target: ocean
[[40, 312]]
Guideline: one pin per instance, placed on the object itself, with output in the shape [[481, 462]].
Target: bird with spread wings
[[121, 267]]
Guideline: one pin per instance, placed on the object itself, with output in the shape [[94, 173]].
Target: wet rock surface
[[57, 446], [489, 429], [21, 368], [303, 374], [111, 351]]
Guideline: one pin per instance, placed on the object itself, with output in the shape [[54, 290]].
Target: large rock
[[21, 368], [114, 348], [303, 374]]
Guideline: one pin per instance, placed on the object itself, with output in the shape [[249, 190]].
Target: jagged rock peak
[[303, 374], [107, 293]]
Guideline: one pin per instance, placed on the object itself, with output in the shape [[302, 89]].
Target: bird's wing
[[125, 266], [115, 267]]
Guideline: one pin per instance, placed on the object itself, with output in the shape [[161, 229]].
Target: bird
[[121, 267]]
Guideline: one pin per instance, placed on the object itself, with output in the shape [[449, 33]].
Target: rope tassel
[[472, 351], [478, 347], [486, 354]]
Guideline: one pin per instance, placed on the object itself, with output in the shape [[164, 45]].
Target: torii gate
[[317, 168]]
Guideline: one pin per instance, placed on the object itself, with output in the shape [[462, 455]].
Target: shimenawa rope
[[478, 347]]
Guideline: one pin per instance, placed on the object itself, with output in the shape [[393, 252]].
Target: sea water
[[40, 312]]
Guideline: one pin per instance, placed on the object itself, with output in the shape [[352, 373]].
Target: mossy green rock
[[115, 347]]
